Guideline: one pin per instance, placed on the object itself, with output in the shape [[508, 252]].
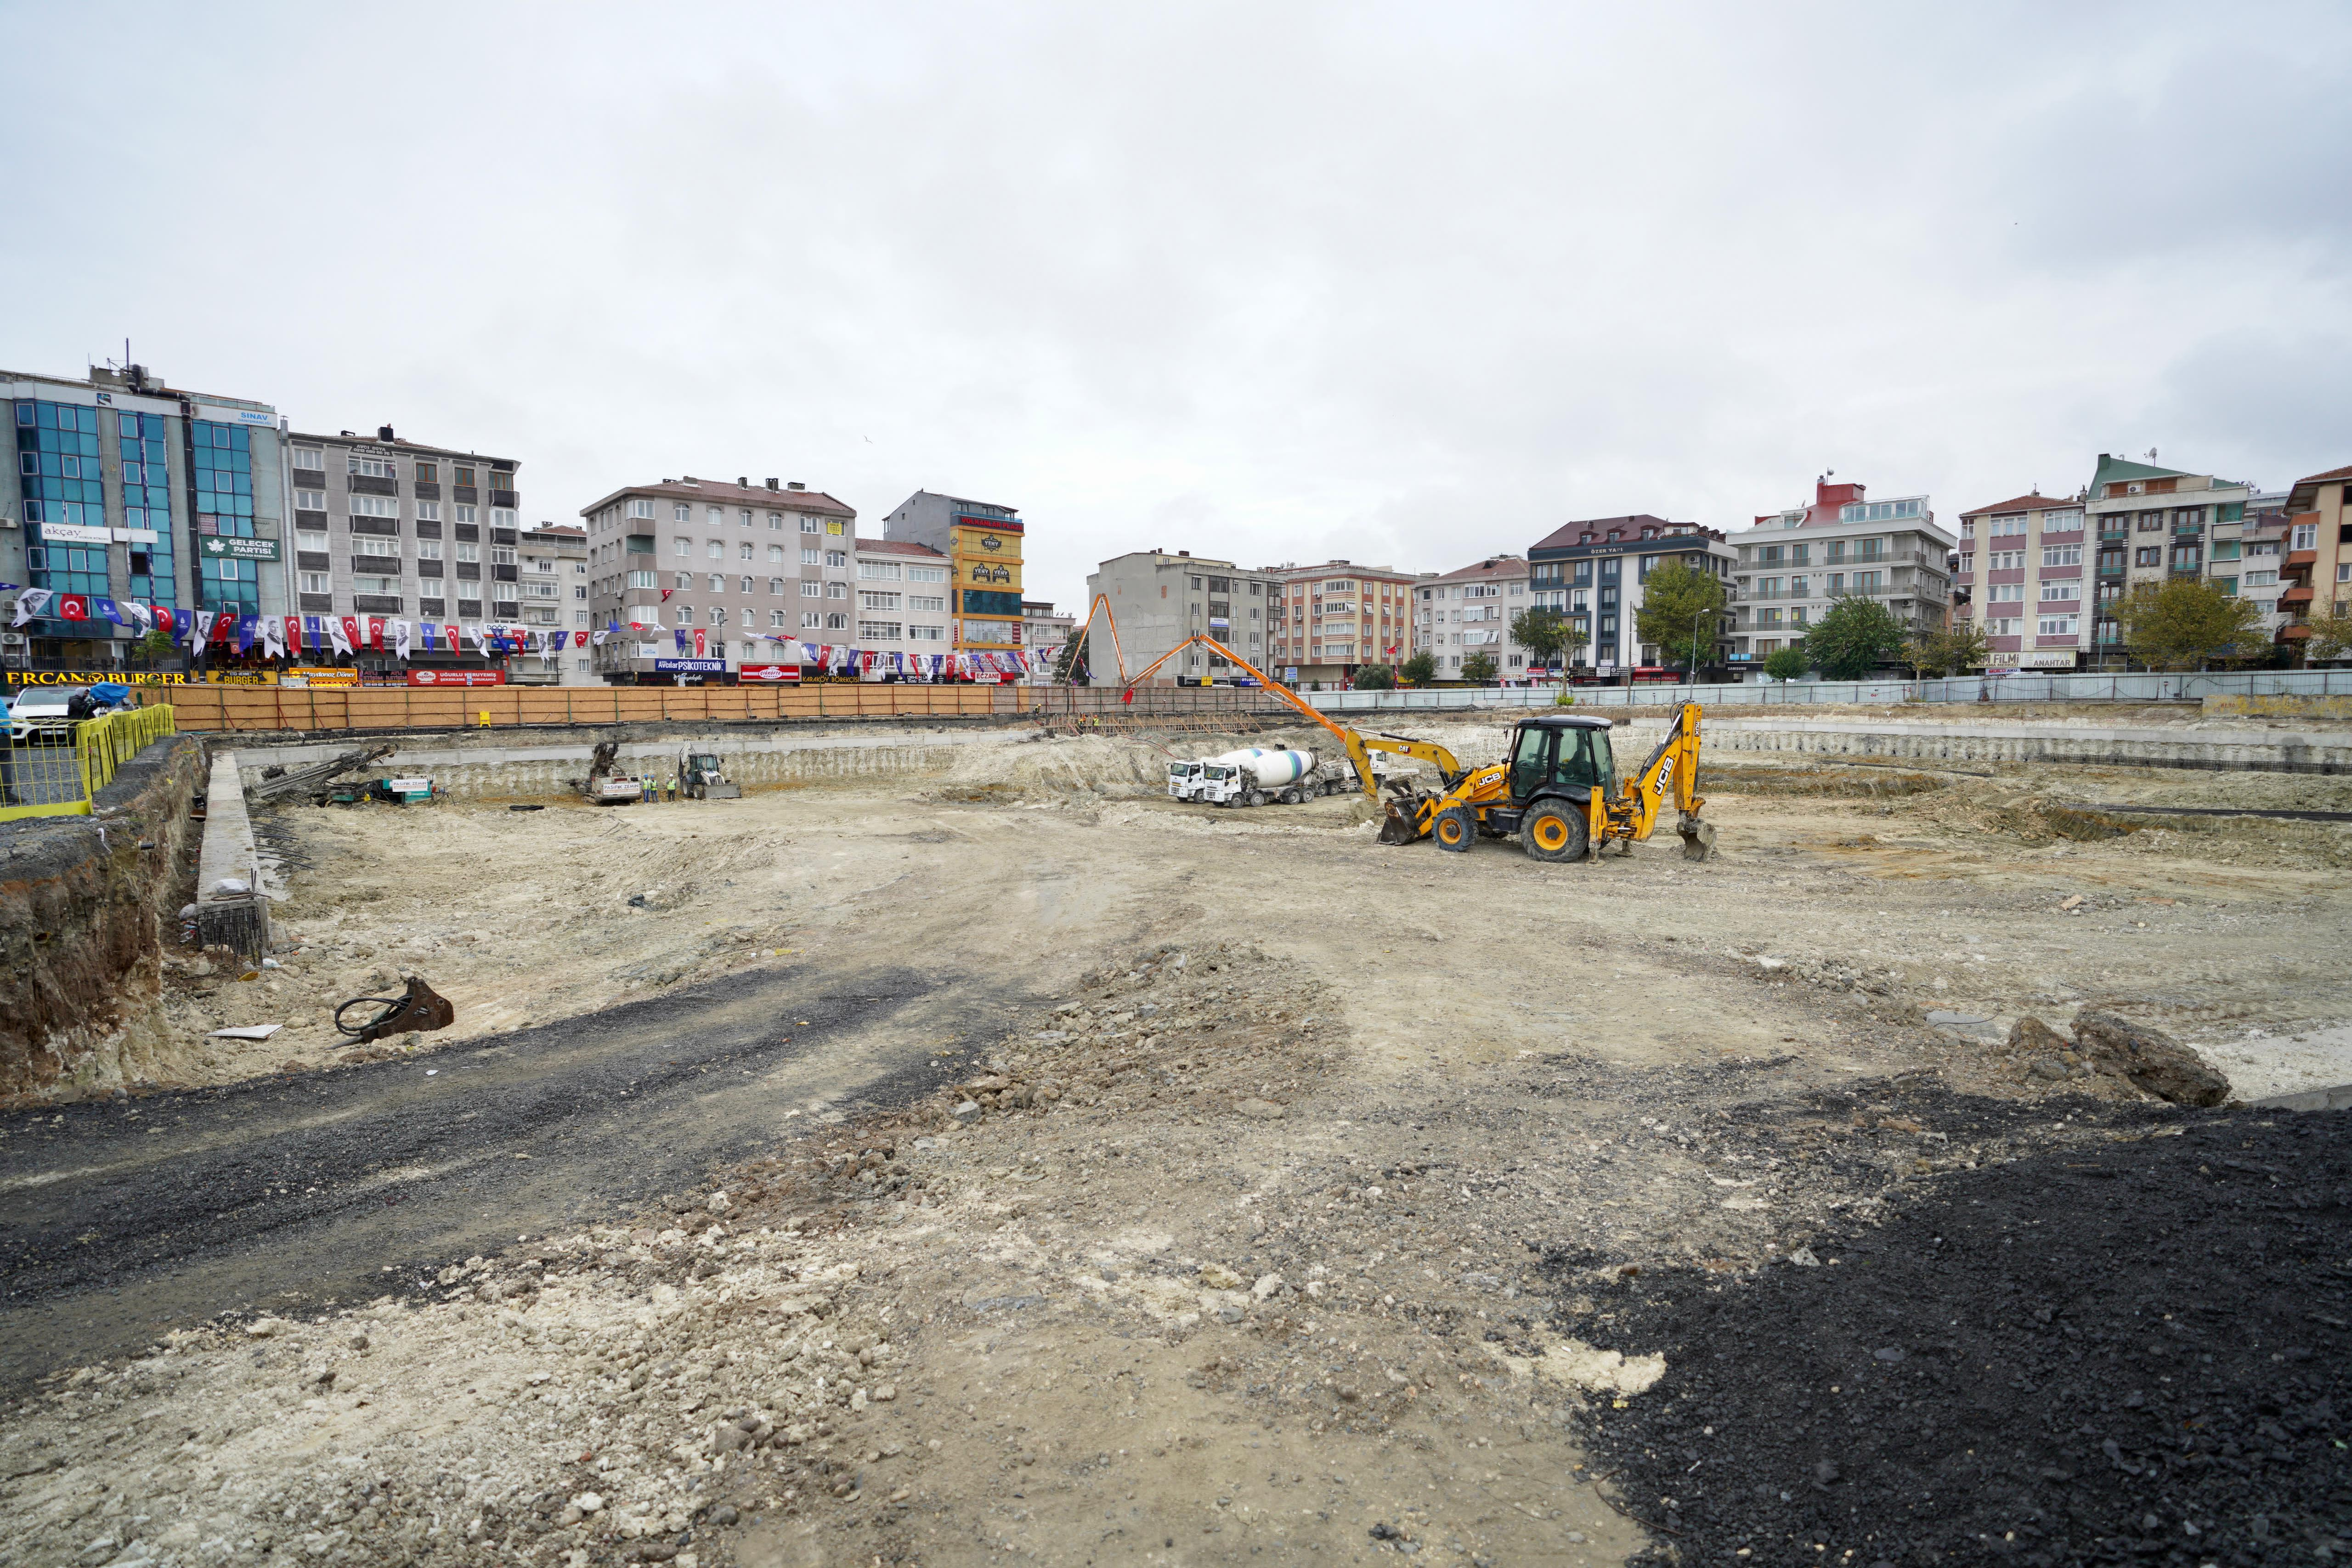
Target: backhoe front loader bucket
[[1399, 821], [1698, 837]]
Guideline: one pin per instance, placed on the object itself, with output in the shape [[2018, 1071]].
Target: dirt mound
[[2082, 1355]]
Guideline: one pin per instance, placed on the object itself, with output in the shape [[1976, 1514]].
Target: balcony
[[502, 497], [383, 528], [427, 490], [465, 493], [369, 485], [2296, 598]]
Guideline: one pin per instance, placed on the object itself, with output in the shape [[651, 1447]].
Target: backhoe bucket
[[1698, 838], [1398, 823]]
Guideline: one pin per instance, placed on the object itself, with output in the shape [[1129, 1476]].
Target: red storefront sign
[[769, 673], [456, 677]]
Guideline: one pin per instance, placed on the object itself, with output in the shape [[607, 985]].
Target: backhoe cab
[[1559, 792]]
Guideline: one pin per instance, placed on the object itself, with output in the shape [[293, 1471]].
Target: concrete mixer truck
[[1255, 775]]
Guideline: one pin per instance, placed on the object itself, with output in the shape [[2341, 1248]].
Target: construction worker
[[669, 789], [650, 794]]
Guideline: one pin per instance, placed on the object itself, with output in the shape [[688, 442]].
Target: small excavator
[[1558, 792]]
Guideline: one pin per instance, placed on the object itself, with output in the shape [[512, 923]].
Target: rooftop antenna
[[2151, 455]]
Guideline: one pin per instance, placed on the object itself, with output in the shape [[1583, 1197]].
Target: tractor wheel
[[1453, 829], [1554, 833]]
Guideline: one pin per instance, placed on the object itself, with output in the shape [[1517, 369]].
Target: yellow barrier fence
[[44, 776]]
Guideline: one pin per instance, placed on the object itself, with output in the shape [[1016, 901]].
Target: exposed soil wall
[[81, 904]]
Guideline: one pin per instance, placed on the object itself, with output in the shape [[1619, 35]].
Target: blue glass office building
[[126, 490]]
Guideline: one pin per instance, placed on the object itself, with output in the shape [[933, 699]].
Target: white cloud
[[1404, 284]]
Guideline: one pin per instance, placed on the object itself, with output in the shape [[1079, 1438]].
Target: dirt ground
[[1277, 1225]]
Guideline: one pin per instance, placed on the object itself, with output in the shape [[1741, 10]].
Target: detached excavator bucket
[[1698, 838]]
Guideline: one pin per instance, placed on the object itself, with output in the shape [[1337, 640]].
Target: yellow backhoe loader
[[1559, 793]]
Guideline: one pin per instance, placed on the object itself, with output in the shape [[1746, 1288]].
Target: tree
[[1851, 638], [1952, 650], [1478, 668], [2188, 622], [1376, 678], [1420, 669], [1070, 665], [2331, 637], [1547, 633], [153, 646], [1785, 663], [1682, 610]]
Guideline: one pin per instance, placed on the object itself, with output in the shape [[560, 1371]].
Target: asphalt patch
[[2137, 1351]]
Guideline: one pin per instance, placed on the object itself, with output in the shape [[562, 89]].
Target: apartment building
[[692, 577], [1159, 599], [2152, 525], [1327, 622], [2317, 566], [1461, 613], [388, 530], [130, 492], [2252, 566], [1792, 565], [1593, 572], [1043, 633], [2024, 580], [903, 590], [982, 543], [553, 572]]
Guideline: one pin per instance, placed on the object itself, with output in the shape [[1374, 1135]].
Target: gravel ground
[[2133, 1349]]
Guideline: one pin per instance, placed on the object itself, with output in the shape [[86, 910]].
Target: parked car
[[51, 713]]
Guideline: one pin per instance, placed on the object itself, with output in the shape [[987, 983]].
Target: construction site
[[1109, 1137]]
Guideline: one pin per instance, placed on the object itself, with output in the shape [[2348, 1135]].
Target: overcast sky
[[1404, 284]]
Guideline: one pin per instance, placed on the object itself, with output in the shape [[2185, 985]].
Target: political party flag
[[246, 626], [109, 609], [681, 639]]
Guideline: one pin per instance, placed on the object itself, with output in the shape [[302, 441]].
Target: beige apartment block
[[1794, 564], [1467, 611], [1159, 599], [739, 563], [2150, 525], [903, 594], [2026, 580], [1328, 621], [552, 570]]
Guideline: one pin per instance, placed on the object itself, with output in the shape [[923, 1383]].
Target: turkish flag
[[580, 639], [166, 619], [697, 642], [294, 632], [352, 630], [73, 607], [449, 635], [225, 628], [376, 632]]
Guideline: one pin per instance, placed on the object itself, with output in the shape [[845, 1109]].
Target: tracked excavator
[[1558, 792]]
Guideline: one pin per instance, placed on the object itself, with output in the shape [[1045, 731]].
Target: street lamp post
[[1693, 649]]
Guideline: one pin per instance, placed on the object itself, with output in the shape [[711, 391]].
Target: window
[[2006, 527], [836, 591], [311, 458], [811, 620], [2052, 591], [502, 555], [715, 550], [2062, 555], [374, 467], [428, 549], [776, 523], [2149, 555], [681, 513], [871, 600], [776, 619], [641, 508], [463, 514], [935, 603], [775, 555], [2058, 625], [744, 516], [2185, 558], [836, 622], [878, 571], [877, 631], [809, 526], [684, 546], [718, 615], [2061, 522], [927, 634], [835, 525], [2005, 592], [717, 583], [644, 579], [502, 517], [375, 507], [2305, 537], [810, 590], [315, 582], [776, 588], [837, 558], [747, 585], [310, 500], [2151, 522], [716, 517], [2002, 628], [310, 539], [2260, 579], [685, 582]]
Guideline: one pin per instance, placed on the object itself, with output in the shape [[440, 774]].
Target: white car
[[49, 713]]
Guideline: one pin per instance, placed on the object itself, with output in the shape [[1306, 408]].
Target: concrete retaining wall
[[466, 767], [239, 921], [2279, 707], [2258, 750], [82, 903]]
